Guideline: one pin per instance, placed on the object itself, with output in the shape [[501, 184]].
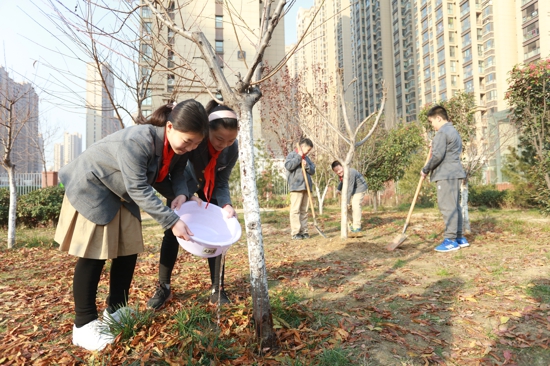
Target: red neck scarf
[[210, 172], [300, 153], [167, 155]]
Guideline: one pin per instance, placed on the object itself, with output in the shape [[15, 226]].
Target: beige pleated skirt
[[82, 238]]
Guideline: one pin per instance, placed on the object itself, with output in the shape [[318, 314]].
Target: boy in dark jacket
[[357, 188], [297, 187], [447, 172]]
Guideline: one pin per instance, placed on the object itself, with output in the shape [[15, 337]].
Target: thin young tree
[[345, 139], [15, 114]]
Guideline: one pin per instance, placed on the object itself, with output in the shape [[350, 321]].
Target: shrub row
[[38, 208]]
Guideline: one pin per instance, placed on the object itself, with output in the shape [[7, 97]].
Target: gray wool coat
[[296, 177], [121, 169], [445, 161], [199, 159], [357, 184]]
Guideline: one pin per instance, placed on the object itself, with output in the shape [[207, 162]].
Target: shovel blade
[[320, 232], [396, 242]]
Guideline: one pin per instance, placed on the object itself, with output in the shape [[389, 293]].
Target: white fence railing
[[25, 182]]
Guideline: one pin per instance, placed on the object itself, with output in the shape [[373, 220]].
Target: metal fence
[[25, 182]]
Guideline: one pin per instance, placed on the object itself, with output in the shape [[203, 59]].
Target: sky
[[29, 42]]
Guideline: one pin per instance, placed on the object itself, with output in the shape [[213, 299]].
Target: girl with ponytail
[[105, 188], [209, 168]]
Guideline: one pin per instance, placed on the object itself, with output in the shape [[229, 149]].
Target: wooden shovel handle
[[417, 192]]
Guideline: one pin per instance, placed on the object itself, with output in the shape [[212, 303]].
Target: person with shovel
[[357, 188], [297, 186], [447, 172]]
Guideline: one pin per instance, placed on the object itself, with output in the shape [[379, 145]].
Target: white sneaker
[[123, 312], [92, 336]]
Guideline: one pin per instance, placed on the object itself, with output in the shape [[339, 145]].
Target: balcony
[[530, 34], [524, 2], [530, 16], [533, 53]]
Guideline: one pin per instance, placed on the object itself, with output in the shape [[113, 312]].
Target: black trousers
[[86, 280], [169, 254]]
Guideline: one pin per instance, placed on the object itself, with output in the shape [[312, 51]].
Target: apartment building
[[533, 29], [100, 116], [25, 154], [175, 64], [58, 161]]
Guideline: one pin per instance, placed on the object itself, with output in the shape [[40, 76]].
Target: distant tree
[[388, 153], [529, 98]]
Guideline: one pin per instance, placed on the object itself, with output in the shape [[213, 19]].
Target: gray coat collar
[[159, 139]]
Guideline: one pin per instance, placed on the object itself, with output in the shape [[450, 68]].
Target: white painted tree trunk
[[344, 203], [12, 207], [258, 276], [321, 197], [464, 206]]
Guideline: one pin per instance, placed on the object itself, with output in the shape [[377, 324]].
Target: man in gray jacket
[[447, 172], [357, 188], [297, 187]]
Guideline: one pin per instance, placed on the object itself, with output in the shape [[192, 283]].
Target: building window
[[490, 61], [452, 51], [467, 71], [450, 8], [479, 34], [464, 8], [441, 70], [441, 55], [467, 55], [488, 45], [439, 28], [488, 27], [148, 98], [452, 37], [481, 68], [487, 11], [145, 12], [145, 72], [451, 22], [531, 31], [438, 14], [425, 49], [170, 82], [454, 81], [170, 59], [531, 50], [491, 78], [469, 86], [219, 21], [427, 61], [147, 27], [466, 24], [146, 52], [466, 39], [480, 50], [453, 66], [492, 95], [219, 46], [443, 84], [146, 113]]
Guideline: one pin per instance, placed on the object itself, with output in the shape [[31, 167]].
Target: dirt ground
[[488, 304]]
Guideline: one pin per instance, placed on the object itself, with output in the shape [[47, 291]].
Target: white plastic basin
[[213, 232]]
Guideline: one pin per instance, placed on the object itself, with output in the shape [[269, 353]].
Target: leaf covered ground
[[334, 302]]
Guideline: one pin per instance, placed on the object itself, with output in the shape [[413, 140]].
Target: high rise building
[[72, 147], [25, 152], [534, 29], [372, 53], [100, 118], [232, 28], [58, 161]]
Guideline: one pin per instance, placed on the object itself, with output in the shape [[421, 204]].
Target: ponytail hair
[[186, 116], [226, 122]]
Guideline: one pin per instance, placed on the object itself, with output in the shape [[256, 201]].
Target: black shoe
[[160, 298], [297, 237], [305, 236], [216, 295]]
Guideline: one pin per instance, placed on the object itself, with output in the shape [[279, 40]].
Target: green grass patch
[[443, 272], [131, 321], [400, 263], [541, 292], [286, 309], [332, 357], [192, 321], [432, 236]]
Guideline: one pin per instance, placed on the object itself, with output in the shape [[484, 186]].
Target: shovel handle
[[416, 193]]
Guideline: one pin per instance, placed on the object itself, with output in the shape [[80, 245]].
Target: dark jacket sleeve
[[221, 187], [135, 180], [439, 148]]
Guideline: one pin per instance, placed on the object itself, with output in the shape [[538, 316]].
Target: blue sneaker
[[447, 245], [355, 230], [462, 242]]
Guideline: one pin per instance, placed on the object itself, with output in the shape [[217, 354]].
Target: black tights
[[169, 254], [86, 280]]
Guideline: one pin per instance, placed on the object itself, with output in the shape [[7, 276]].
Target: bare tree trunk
[[464, 206], [12, 206], [321, 197], [258, 276], [375, 201], [344, 204]]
